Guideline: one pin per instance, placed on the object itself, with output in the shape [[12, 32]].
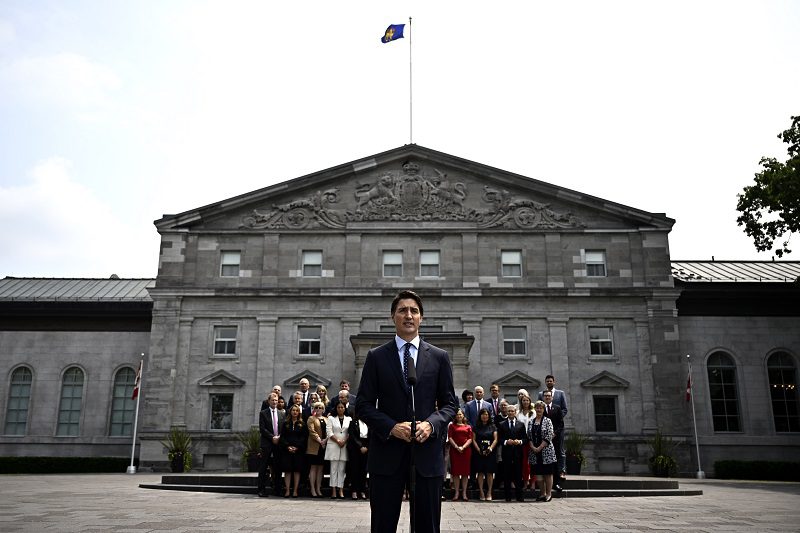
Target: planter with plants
[[251, 454], [573, 446], [661, 463], [179, 450]]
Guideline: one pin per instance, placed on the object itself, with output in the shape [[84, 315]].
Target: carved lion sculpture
[[381, 190]]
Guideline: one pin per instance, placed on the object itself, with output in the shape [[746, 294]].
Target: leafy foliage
[[776, 193], [661, 462], [573, 445], [252, 445]]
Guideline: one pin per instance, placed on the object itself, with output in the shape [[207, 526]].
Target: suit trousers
[[512, 473], [386, 498], [337, 473]]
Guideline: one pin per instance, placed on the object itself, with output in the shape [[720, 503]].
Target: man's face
[[273, 401], [304, 384], [277, 390], [479, 393], [547, 397], [406, 318], [344, 385], [495, 392], [342, 398], [511, 411], [503, 408], [550, 382]]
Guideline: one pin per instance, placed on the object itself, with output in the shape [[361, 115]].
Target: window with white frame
[[69, 409], [225, 340], [600, 341], [221, 412], [312, 263], [19, 396], [429, 263], [229, 263], [514, 341], [605, 414], [511, 263], [308, 338], [392, 263], [122, 405], [596, 263]]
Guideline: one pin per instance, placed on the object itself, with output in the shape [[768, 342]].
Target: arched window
[[69, 411], [19, 395], [122, 406], [723, 391], [782, 373]]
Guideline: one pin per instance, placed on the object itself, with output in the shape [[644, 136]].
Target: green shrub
[[63, 465], [761, 470]]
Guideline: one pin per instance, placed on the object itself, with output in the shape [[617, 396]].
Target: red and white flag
[[138, 381], [689, 386]]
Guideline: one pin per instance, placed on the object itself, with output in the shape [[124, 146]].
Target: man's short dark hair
[[464, 394], [548, 376], [402, 295], [344, 382]]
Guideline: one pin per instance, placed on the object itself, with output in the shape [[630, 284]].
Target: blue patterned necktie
[[406, 357]]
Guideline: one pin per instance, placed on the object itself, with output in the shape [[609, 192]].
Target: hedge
[[760, 470], [63, 465]]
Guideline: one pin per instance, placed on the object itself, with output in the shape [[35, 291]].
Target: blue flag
[[394, 31]]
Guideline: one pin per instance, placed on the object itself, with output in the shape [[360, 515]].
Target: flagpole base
[[700, 474], [131, 470]]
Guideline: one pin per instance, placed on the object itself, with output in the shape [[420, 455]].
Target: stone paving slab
[[115, 503]]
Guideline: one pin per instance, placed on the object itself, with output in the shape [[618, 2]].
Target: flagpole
[[700, 474], [131, 468], [410, 106]]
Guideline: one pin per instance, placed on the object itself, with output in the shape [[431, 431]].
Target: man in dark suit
[[305, 410], [305, 390], [474, 407], [512, 435], [384, 404], [269, 424], [559, 399], [554, 413]]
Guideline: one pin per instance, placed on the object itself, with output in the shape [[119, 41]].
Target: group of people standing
[[520, 443], [299, 440]]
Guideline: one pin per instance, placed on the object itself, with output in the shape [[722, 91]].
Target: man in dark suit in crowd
[[559, 399], [305, 390], [305, 410], [511, 434], [474, 407], [554, 413], [269, 424], [384, 404]]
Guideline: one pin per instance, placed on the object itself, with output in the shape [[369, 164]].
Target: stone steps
[[574, 487]]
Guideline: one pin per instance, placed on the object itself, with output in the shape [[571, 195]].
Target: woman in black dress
[[357, 453], [294, 437], [485, 456]]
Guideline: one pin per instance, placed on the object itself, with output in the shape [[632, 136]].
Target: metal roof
[[75, 289], [736, 271]]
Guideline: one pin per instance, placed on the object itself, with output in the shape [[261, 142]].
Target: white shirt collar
[[402, 342]]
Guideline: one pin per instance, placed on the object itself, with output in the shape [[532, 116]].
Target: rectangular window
[[221, 412], [229, 264], [596, 263], [392, 264], [514, 341], [429, 263], [225, 340], [309, 339], [511, 263], [605, 414], [600, 342], [312, 263]]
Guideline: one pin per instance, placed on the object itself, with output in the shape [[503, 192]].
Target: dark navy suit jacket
[[383, 400]]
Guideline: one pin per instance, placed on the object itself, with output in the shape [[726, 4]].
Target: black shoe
[[508, 499], [263, 494], [548, 498], [520, 499], [540, 498], [557, 488]]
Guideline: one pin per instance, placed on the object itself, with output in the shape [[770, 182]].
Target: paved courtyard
[[115, 503]]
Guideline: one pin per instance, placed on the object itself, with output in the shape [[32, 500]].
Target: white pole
[[410, 106], [131, 468], [700, 473]]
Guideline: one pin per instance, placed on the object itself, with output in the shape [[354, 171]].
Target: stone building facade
[[519, 278]]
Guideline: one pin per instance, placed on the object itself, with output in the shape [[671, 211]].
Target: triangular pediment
[[220, 378], [413, 184], [606, 380], [293, 383], [513, 381]]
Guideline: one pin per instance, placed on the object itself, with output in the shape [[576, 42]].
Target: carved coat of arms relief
[[411, 195]]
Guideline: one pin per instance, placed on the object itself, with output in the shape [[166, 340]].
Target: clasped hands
[[402, 431]]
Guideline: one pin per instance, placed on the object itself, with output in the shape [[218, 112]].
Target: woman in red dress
[[459, 435]]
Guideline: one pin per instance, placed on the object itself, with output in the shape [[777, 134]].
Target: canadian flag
[[689, 386], [138, 381]]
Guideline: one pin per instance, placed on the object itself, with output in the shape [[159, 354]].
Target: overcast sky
[[113, 114]]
